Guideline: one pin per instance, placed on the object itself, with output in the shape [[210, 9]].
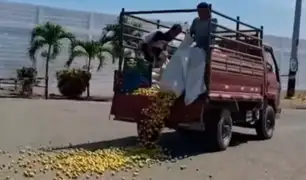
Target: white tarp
[[185, 71]]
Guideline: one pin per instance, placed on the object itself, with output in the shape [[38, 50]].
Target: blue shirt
[[199, 30]]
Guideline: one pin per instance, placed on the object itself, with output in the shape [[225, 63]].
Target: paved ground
[[56, 123]]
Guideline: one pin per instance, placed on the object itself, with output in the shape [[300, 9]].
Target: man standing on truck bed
[[199, 28], [155, 44]]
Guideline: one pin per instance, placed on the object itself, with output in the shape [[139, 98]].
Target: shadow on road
[[179, 146]]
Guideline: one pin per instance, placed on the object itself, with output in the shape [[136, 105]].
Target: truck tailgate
[[127, 107]]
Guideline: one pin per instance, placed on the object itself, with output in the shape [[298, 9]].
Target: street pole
[[293, 65]]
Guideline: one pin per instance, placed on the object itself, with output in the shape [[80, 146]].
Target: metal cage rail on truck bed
[[243, 44]]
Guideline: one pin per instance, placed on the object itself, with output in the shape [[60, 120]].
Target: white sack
[[185, 71], [174, 74], [194, 83], [157, 72]]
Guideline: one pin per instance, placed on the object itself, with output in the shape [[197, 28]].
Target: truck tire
[[219, 130], [266, 124]]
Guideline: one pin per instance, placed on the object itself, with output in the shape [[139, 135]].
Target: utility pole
[[293, 65]]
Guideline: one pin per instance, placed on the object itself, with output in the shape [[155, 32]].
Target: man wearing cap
[[199, 28]]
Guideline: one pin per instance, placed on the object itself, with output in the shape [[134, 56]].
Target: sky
[[275, 15]]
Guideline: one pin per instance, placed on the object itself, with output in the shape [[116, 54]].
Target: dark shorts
[[148, 57]]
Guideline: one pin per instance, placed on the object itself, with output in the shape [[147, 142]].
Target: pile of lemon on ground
[[149, 129], [73, 163]]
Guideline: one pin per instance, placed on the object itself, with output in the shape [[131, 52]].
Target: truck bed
[[232, 78], [235, 72]]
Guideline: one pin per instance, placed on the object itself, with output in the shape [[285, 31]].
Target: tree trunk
[[88, 70], [47, 73]]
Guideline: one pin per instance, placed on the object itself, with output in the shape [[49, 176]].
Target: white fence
[[16, 23]]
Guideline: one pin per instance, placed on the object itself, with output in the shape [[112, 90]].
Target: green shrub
[[26, 73], [27, 78], [72, 83]]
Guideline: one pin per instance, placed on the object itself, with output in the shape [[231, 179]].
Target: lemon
[[150, 129]]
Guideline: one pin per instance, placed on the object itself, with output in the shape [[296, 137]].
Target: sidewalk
[[293, 104]]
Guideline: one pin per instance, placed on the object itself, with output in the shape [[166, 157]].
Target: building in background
[[17, 21]]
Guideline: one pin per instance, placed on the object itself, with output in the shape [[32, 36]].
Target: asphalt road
[[57, 123]]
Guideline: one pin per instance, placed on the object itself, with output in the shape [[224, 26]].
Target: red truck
[[242, 78]]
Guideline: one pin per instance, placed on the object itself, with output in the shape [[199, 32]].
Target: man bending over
[[155, 44]]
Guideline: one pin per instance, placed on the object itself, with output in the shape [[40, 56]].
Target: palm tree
[[89, 49], [111, 35], [48, 35]]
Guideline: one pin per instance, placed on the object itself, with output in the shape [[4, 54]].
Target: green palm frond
[[110, 29], [44, 54], [38, 31], [90, 49], [114, 41], [76, 53], [75, 50], [109, 51], [34, 47], [50, 35], [101, 59], [66, 35], [56, 49]]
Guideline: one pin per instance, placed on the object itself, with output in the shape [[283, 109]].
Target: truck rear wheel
[[219, 130], [266, 124]]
